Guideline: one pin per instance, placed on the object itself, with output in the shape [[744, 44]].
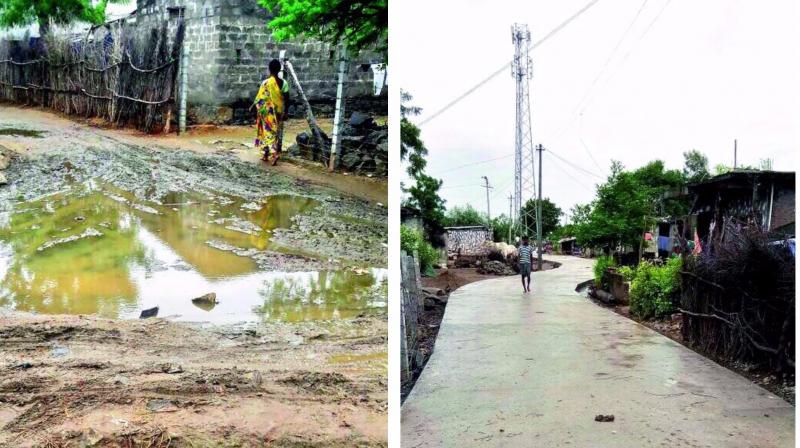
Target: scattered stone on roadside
[[3, 180], [432, 302], [150, 312], [171, 368], [120, 380], [604, 418], [433, 291], [161, 405], [59, 351]]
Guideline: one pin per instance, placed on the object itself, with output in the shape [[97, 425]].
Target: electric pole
[[734, 154], [539, 149], [487, 187]]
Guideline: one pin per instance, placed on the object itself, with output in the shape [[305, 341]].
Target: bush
[[627, 272], [654, 287], [413, 242], [600, 267]]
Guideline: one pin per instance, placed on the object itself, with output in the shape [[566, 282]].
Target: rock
[[3, 180], [432, 302], [171, 368], [151, 312], [161, 405], [210, 298], [433, 291], [359, 119], [604, 418]]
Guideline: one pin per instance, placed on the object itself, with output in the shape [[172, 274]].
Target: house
[[764, 198]]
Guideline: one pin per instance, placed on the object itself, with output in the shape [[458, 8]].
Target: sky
[[687, 75]]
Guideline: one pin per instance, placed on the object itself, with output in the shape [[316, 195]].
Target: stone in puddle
[[210, 298], [604, 418]]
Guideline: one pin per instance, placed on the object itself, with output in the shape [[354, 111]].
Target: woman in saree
[[270, 105]]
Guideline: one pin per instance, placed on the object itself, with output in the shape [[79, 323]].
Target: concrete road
[[533, 370]]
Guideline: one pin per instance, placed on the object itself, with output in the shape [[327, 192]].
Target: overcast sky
[[705, 73]]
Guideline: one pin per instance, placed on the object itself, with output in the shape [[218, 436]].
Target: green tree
[[57, 12], [551, 215], [500, 228], [423, 196], [412, 148], [695, 166], [464, 216], [357, 23]]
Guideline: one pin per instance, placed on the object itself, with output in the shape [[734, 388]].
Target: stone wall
[[229, 46], [467, 240]]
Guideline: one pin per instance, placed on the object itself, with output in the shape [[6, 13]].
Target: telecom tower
[[522, 70]]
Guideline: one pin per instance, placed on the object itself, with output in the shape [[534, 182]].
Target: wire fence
[[119, 73]]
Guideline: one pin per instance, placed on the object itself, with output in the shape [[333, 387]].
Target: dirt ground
[[207, 139], [84, 381]]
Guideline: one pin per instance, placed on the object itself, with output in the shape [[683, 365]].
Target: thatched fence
[[738, 298], [119, 73]]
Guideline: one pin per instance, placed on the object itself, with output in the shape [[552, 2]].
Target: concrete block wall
[[229, 47]]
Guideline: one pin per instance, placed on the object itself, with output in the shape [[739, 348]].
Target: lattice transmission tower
[[522, 70]]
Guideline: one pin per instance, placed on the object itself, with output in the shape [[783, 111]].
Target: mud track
[[83, 381]]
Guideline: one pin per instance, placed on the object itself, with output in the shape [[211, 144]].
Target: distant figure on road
[[270, 105], [525, 262]]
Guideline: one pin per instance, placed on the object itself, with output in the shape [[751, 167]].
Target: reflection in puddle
[[98, 250], [21, 132]]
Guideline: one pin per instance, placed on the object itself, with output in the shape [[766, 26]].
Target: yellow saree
[[269, 121]]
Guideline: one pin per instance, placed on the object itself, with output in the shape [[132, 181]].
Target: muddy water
[[92, 248]]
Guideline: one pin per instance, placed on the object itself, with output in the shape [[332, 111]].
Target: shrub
[[627, 272], [654, 287], [413, 242], [600, 267]]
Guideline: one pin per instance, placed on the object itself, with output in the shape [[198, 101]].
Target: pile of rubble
[[494, 267], [364, 150], [5, 158]]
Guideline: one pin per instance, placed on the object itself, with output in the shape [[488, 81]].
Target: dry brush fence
[[738, 299], [116, 72]]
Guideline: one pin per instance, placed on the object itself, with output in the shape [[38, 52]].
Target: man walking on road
[[525, 263]]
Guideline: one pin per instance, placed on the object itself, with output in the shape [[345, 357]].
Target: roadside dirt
[[206, 139], [84, 381]]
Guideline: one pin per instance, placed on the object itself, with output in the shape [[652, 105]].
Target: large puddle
[[95, 249]]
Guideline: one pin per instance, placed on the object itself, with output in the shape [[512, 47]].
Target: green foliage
[[412, 241], [423, 196], [357, 23], [626, 204], [551, 215], [695, 166], [653, 288], [464, 216], [627, 272], [600, 266], [44, 12], [721, 169], [500, 228]]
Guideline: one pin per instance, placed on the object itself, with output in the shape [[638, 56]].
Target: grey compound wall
[[228, 47], [470, 241]]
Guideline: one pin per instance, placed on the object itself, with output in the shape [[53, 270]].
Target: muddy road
[[97, 225]]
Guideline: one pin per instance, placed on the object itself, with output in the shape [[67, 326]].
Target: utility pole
[[734, 153], [510, 216], [338, 115], [540, 149], [487, 187]]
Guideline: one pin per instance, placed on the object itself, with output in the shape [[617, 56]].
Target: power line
[[473, 163], [508, 64], [578, 108], [560, 168], [584, 170]]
